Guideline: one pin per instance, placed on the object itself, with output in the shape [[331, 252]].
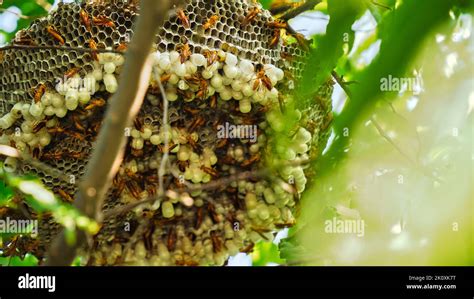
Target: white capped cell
[[198, 59], [231, 59]]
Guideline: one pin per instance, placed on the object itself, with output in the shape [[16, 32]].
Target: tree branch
[[164, 159], [122, 109], [308, 5], [342, 83], [19, 15]]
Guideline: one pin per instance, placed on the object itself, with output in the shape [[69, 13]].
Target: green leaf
[[290, 250], [329, 47], [265, 253], [77, 261], [379, 8], [266, 3], [6, 193], [28, 261]]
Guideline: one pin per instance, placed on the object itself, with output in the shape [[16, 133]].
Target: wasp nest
[[225, 75]]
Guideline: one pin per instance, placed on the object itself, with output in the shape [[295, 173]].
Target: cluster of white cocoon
[[69, 94], [297, 150], [183, 150], [234, 78]]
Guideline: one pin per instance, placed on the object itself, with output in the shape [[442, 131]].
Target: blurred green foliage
[[30, 9], [42, 200], [402, 35], [6, 193], [266, 253], [402, 28], [28, 260], [328, 49], [266, 3]]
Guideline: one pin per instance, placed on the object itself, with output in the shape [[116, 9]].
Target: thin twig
[[382, 133], [418, 138], [381, 5], [308, 5], [220, 183], [44, 4], [342, 83], [164, 159], [209, 186], [5, 10], [280, 9], [175, 173]]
